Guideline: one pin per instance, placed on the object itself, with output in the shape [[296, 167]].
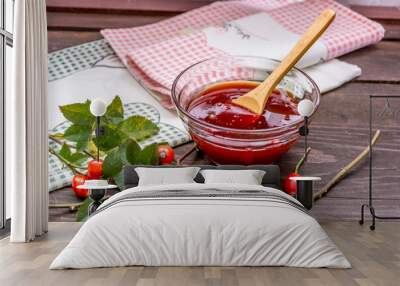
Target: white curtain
[[26, 123]]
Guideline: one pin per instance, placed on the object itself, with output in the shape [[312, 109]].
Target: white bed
[[201, 224]]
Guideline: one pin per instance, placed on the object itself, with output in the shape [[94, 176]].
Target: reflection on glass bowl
[[225, 144]]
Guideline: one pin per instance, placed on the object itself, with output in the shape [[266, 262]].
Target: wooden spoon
[[256, 99]]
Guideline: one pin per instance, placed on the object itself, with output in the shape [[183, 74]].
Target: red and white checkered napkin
[[215, 14], [157, 53]]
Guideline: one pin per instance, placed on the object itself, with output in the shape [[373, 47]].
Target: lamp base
[[95, 195], [305, 190], [305, 193]]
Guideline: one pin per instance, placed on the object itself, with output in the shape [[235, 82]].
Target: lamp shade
[[98, 107], [305, 107]]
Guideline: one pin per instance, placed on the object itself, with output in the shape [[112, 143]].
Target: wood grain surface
[[375, 258], [125, 6], [338, 133], [99, 14]]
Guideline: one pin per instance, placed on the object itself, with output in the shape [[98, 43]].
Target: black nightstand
[[97, 191], [305, 190]]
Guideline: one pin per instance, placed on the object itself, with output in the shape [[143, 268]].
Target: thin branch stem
[[60, 142], [346, 169], [72, 167], [302, 160]]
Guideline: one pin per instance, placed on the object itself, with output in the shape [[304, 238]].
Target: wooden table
[[337, 134]]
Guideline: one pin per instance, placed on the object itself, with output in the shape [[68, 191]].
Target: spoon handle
[[319, 26]]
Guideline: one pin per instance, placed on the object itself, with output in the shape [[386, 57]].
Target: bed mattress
[[201, 225]]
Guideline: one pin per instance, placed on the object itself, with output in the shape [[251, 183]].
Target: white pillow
[[165, 176], [248, 177]]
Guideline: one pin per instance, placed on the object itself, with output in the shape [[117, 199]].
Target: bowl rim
[[247, 131]]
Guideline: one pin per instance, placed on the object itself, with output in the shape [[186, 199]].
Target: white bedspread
[[183, 231]]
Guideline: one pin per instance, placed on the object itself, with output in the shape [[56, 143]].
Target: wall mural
[[136, 68]]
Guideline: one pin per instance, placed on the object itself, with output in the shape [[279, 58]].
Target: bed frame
[[271, 178]]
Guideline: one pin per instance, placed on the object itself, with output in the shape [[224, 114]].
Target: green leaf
[[110, 139], [112, 164], [115, 111], [80, 134], [82, 213], [138, 127], [76, 158], [149, 155], [78, 113], [130, 152], [119, 180]]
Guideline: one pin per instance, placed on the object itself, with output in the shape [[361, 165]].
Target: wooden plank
[[58, 40], [125, 6], [392, 30], [328, 208], [364, 88], [99, 14], [378, 62], [387, 16], [80, 15], [378, 12], [96, 22]]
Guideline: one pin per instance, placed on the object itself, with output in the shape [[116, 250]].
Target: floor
[[374, 255]]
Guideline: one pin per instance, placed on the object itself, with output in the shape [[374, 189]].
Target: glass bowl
[[224, 145]]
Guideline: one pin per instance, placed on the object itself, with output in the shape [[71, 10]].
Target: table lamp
[[305, 184], [98, 108], [97, 188], [305, 109]]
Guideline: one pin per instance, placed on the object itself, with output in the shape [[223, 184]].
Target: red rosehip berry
[[78, 180], [165, 154], [95, 169]]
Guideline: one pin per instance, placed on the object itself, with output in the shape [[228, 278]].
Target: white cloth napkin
[[332, 74], [260, 35]]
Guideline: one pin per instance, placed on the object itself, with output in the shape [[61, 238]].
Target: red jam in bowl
[[228, 145]]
